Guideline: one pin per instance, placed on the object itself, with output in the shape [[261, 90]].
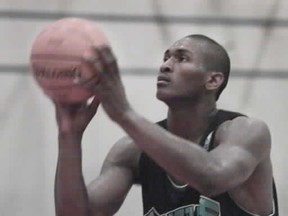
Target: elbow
[[211, 181], [209, 189], [97, 208]]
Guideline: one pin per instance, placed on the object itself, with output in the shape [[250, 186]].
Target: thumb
[[93, 106]]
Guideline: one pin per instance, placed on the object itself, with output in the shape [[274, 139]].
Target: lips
[[162, 79]]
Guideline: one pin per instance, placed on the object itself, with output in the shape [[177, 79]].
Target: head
[[196, 66]]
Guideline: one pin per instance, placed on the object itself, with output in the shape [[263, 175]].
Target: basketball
[[57, 58]]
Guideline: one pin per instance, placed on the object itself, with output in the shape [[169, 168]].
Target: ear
[[214, 80]]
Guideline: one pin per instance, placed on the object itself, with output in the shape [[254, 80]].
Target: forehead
[[186, 44]]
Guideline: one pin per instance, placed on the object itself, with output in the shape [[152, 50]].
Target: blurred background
[[255, 33]]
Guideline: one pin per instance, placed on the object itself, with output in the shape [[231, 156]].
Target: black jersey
[[161, 196]]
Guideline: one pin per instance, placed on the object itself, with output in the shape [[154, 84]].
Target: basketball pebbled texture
[[57, 58]]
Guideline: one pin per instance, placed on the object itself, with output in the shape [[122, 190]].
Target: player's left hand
[[72, 119], [108, 85]]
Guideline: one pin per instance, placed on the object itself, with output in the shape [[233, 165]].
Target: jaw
[[177, 101], [185, 100]]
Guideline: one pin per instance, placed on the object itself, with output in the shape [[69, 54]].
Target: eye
[[183, 58], [166, 57]]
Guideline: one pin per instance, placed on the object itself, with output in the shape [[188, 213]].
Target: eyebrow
[[178, 51]]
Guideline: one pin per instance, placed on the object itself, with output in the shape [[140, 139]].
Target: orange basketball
[[57, 58]]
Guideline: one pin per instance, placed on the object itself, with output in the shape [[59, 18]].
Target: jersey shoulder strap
[[220, 117]]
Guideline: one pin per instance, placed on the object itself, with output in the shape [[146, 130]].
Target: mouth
[[162, 80]]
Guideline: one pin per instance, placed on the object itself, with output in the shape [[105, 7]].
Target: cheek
[[192, 78]]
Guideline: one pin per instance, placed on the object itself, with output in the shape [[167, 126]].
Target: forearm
[[184, 159], [70, 190]]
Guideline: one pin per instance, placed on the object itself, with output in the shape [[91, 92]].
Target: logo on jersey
[[206, 207], [182, 211]]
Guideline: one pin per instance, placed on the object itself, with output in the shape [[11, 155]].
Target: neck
[[191, 120]]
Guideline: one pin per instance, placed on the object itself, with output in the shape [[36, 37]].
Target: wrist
[[126, 118], [69, 146], [72, 136]]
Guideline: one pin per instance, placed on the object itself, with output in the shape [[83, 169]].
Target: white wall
[[28, 133]]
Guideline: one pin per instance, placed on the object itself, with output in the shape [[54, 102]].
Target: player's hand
[[74, 118], [108, 86]]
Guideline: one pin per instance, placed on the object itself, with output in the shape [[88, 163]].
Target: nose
[[166, 67]]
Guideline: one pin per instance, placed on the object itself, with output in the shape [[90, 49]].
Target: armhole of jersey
[[208, 141], [252, 214], [222, 116]]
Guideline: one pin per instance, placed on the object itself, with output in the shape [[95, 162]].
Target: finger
[[107, 58], [90, 84], [90, 59], [97, 71], [93, 106], [95, 63], [94, 103]]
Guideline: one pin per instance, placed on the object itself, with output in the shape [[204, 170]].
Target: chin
[[161, 97], [164, 97]]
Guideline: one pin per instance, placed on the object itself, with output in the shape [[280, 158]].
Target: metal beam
[[133, 18], [235, 73]]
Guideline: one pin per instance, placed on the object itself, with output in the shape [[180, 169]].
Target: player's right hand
[[74, 118]]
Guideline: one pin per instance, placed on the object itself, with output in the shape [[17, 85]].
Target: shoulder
[[243, 130], [244, 123], [124, 153]]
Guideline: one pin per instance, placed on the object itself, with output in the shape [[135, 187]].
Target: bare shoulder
[[123, 153], [245, 131], [246, 123]]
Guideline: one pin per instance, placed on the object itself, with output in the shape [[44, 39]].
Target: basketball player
[[198, 161]]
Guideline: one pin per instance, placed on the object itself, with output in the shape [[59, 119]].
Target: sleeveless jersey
[[160, 197]]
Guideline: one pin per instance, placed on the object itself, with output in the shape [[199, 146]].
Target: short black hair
[[215, 58]]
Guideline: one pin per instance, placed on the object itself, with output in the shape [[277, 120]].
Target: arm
[[243, 143], [105, 194], [118, 173], [70, 191]]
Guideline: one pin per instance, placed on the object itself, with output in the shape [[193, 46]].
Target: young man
[[199, 161]]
